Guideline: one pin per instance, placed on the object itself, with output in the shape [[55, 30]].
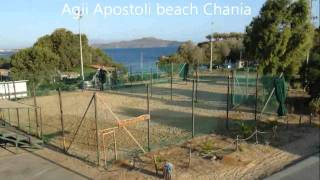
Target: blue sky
[[24, 21]]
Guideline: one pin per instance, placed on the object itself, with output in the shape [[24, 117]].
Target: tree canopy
[[227, 46], [280, 36], [65, 45], [35, 64], [313, 67], [187, 52]]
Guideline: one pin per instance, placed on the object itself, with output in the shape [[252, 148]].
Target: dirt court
[[171, 126], [171, 121]]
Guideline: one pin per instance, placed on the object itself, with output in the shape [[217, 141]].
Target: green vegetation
[[59, 51], [280, 37], [313, 68], [65, 45], [225, 46], [246, 129], [3, 60], [315, 105], [187, 53], [207, 147], [34, 64]]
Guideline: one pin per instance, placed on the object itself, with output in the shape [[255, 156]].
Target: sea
[[139, 59], [134, 59]]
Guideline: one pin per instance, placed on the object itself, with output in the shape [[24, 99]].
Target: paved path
[[31, 167], [307, 169]]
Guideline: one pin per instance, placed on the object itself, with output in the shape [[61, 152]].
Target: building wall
[[10, 90]]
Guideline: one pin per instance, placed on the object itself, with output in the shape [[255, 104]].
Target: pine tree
[[280, 37]]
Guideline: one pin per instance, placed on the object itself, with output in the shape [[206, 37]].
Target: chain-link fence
[[184, 101]]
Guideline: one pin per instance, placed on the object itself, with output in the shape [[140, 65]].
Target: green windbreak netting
[[246, 89], [159, 74], [243, 85], [267, 102]]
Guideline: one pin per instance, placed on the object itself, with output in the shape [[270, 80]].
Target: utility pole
[[211, 46], [79, 15], [141, 65]]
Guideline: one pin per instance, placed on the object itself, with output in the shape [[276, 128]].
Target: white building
[[13, 89]]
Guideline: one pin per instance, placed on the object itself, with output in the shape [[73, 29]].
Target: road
[[307, 169]]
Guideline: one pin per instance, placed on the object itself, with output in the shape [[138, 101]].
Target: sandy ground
[[171, 121], [170, 125], [251, 162]]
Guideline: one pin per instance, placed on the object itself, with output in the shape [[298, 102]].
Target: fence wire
[[173, 119]]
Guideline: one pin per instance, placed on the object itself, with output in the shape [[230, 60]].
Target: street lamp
[[211, 46], [79, 16]]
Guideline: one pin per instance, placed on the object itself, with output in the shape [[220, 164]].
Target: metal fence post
[[9, 116], [18, 117], [97, 133], [193, 98], [62, 120], [36, 108], [232, 88], [256, 103], [151, 82], [148, 109], [29, 120], [228, 102], [171, 81]]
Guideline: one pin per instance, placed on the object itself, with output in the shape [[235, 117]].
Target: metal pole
[[29, 120], [36, 108], [211, 51], [115, 145], [97, 133], [171, 81], [9, 116], [228, 99], [141, 65], [61, 119], [41, 125], [148, 109], [247, 83], [81, 55], [151, 82], [256, 103], [211, 54], [193, 98], [233, 87], [197, 81], [18, 118]]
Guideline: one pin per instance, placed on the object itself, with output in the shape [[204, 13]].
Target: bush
[[315, 105], [207, 147], [246, 129]]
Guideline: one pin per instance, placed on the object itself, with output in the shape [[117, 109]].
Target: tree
[[4, 63], [65, 45], [34, 64], [280, 37], [312, 69]]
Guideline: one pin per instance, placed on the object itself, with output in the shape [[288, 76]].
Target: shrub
[[315, 105]]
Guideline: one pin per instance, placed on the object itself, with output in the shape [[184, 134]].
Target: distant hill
[[148, 42]]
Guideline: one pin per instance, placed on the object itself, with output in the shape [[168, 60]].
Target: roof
[[97, 66]]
